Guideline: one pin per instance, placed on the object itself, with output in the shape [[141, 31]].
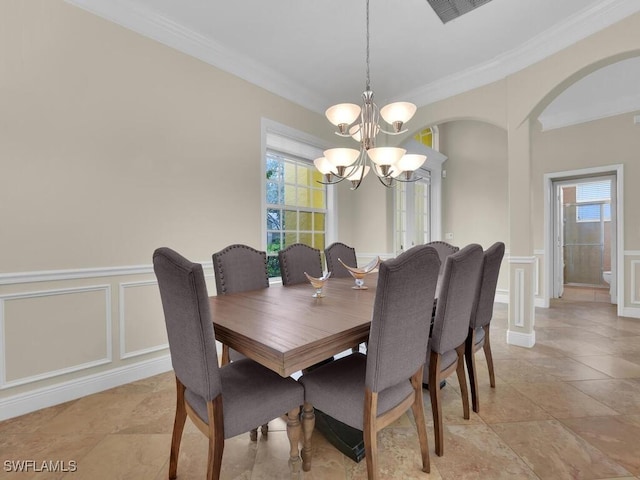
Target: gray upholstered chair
[[368, 392], [297, 259], [347, 254], [478, 336], [250, 393], [445, 352], [240, 268], [444, 250]]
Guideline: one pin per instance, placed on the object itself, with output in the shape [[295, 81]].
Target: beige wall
[[111, 145]]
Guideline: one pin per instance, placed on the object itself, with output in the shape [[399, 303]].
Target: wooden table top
[[286, 329]]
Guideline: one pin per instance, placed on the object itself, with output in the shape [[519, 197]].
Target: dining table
[[287, 329]]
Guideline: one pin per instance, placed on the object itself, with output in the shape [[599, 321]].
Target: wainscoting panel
[[142, 328], [54, 332]]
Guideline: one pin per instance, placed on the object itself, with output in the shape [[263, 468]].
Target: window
[[594, 201], [296, 203]]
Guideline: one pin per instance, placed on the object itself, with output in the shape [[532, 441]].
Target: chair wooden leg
[[293, 433], [216, 438], [226, 358], [436, 407], [470, 360], [178, 427], [462, 380], [253, 435], [264, 429], [308, 424], [370, 433], [418, 413], [488, 356]]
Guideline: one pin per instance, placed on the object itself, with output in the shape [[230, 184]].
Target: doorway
[[584, 252]]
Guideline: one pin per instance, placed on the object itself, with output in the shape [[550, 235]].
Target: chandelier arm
[[382, 181], [393, 133], [411, 180]]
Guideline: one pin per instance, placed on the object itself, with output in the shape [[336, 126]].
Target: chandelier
[[363, 124]]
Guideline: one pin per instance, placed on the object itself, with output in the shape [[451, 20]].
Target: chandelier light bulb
[[410, 162], [386, 155], [343, 114], [341, 157], [324, 166], [398, 113]]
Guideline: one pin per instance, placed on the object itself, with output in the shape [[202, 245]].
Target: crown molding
[[164, 30], [158, 27], [549, 42]]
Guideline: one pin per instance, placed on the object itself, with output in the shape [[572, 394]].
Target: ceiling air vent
[[449, 10]]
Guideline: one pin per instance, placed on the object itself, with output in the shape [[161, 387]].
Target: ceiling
[[313, 51]]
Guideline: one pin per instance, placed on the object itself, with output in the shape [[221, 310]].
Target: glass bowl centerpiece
[[318, 283], [359, 273]]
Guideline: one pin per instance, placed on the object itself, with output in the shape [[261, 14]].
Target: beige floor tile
[[476, 452], [519, 371], [617, 437], [123, 457], [505, 404], [553, 452], [562, 400], [32, 421], [99, 413], [568, 369], [326, 460], [623, 395], [40, 447], [398, 457], [611, 365]]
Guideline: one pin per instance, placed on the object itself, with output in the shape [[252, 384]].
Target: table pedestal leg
[[293, 432], [308, 423]]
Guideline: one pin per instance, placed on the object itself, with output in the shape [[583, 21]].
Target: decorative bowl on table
[[318, 283], [359, 273]]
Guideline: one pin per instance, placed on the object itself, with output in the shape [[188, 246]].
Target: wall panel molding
[[53, 373], [80, 273], [634, 282], [124, 354]]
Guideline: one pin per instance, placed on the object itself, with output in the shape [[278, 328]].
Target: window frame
[[300, 146]]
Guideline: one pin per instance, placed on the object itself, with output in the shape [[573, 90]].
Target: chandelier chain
[[368, 86]]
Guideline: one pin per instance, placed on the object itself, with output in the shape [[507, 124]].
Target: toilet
[[606, 276]]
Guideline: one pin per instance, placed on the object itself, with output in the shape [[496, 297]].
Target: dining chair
[[368, 392], [240, 268], [221, 401], [444, 249], [297, 259], [445, 351], [347, 254], [478, 336]]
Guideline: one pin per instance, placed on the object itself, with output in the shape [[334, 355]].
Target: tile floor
[[567, 408]]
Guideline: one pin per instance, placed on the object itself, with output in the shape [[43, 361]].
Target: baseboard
[[33, 400], [519, 339], [632, 312]]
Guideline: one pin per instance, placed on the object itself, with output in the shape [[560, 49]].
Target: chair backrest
[[444, 250], [188, 319], [297, 259], [455, 301], [343, 252], [240, 268], [401, 317], [486, 292]]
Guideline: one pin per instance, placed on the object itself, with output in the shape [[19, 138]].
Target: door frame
[[549, 205]]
